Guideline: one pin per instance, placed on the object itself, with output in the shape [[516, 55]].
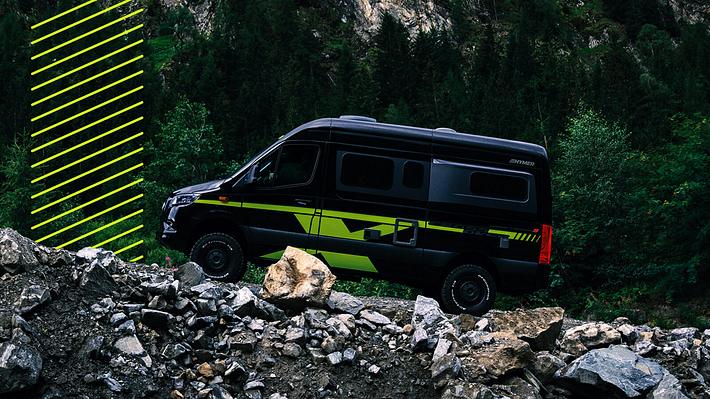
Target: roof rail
[[358, 118], [445, 129]]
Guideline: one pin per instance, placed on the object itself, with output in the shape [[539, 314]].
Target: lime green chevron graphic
[[86, 83]]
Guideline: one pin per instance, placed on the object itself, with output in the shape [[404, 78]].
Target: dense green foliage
[[618, 92]]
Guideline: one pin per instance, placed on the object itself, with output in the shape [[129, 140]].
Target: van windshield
[[252, 159]]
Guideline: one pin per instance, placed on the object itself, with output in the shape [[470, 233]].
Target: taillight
[[545, 245]]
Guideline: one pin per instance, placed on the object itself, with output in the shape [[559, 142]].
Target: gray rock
[[668, 388], [578, 340], [349, 355], [611, 371], [330, 345], [156, 319], [468, 390], [447, 365], [174, 351], [419, 340], [540, 327], [16, 254], [244, 302], [375, 317], [118, 318], [337, 327], [91, 347], [129, 345], [128, 327], [344, 303], [392, 329], [206, 307], [96, 280], [190, 274], [373, 369], [292, 349], [207, 290], [20, 367], [295, 334], [31, 298], [688, 333], [335, 358], [315, 317], [442, 348], [427, 313], [483, 325], [269, 311], [244, 341], [628, 333], [545, 365]]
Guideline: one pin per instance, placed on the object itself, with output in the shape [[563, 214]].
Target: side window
[[413, 174], [493, 185], [292, 164], [296, 164], [367, 171], [482, 186]]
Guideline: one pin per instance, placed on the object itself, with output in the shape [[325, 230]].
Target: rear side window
[[499, 186], [483, 186], [367, 171]]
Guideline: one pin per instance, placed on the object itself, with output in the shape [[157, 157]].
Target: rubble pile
[[90, 325]]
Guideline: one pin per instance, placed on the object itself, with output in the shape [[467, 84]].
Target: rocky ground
[[89, 325]]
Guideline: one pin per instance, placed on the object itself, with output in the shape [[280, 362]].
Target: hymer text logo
[[521, 162]]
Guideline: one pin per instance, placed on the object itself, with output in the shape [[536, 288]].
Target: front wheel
[[220, 256], [468, 289]]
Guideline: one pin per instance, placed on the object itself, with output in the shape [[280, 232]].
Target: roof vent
[[445, 129], [358, 118]]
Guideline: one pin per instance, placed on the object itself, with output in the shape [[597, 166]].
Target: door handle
[[303, 201]]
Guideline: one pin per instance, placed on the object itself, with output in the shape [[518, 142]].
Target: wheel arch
[[475, 258], [218, 225]]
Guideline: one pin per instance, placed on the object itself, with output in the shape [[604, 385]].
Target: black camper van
[[456, 214]]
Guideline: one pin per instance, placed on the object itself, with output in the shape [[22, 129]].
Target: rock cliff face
[[89, 325]]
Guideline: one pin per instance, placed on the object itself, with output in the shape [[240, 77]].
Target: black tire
[[468, 289], [220, 255]]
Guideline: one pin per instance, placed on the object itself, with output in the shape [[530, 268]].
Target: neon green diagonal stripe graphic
[[86, 155]]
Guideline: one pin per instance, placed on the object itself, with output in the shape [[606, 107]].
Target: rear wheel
[[220, 256], [468, 289]]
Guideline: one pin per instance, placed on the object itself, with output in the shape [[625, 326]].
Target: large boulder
[[16, 252], [539, 327], [580, 339], [611, 372], [20, 367], [504, 355], [297, 279]]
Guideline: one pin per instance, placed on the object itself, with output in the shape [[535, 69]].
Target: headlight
[[184, 199]]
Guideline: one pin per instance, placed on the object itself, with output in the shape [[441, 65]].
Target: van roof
[[439, 135]]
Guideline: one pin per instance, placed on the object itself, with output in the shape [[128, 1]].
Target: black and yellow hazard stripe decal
[[86, 99]]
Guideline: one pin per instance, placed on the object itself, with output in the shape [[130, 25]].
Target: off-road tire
[[220, 256], [468, 289]]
